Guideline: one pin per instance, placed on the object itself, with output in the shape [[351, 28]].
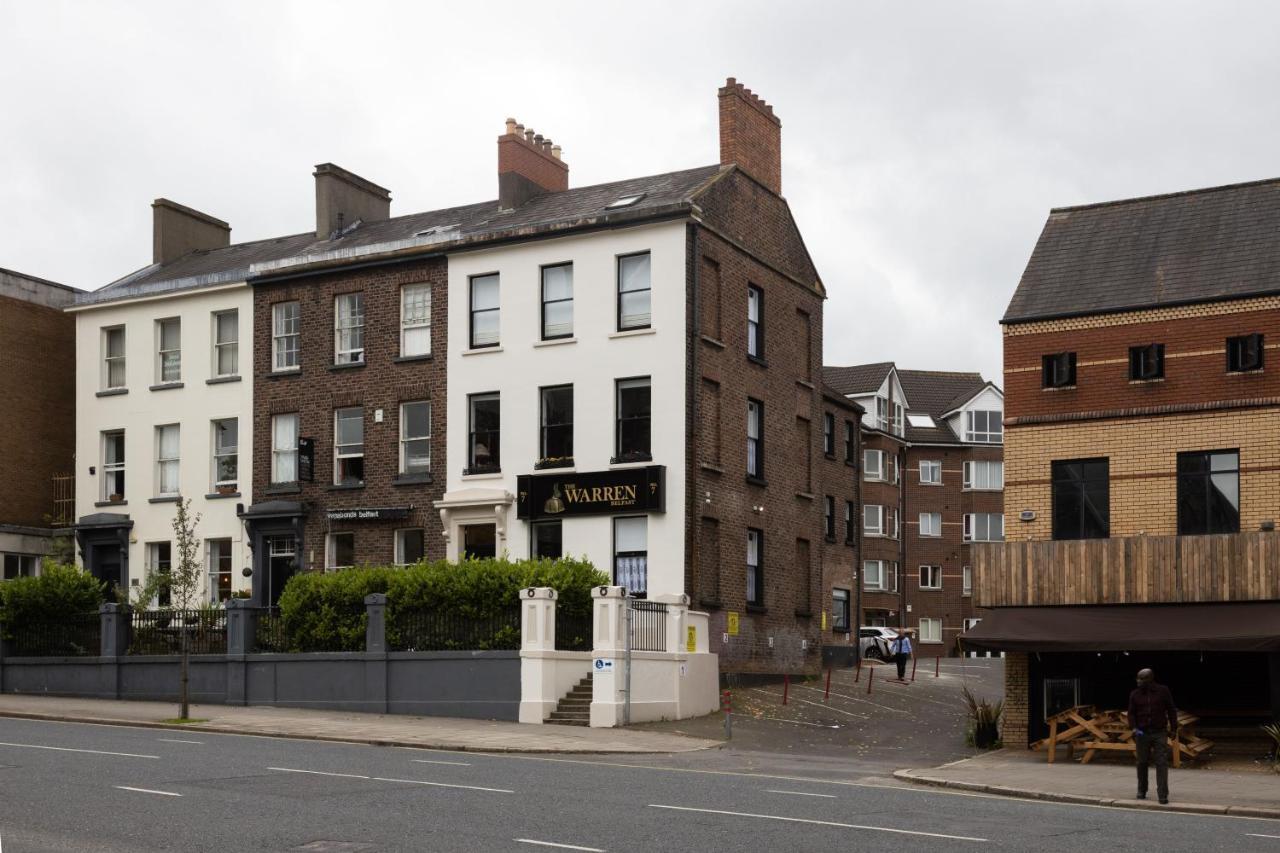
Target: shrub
[[58, 592], [984, 719]]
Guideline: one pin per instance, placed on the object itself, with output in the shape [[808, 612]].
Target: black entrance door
[[281, 564], [479, 541], [107, 568]]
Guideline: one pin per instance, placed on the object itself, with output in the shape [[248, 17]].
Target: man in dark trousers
[[1154, 720], [901, 648]]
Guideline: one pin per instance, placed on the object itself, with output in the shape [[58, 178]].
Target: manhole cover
[[335, 846]]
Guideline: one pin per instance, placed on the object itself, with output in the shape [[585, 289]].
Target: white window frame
[[278, 452], [874, 473], [286, 337], [151, 564], [971, 530], [931, 472], [879, 567], [899, 413], [966, 580], [928, 635], [330, 549], [223, 452], [416, 322], [339, 453], [870, 511], [638, 320], [348, 328], [930, 577], [400, 556], [931, 524], [989, 435], [174, 461], [28, 565], [162, 354], [109, 468], [841, 603], [405, 439], [974, 481], [230, 346], [214, 573], [108, 359], [557, 332]]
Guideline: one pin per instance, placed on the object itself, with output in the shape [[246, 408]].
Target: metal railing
[[268, 633], [163, 632], [573, 633], [648, 625], [447, 630], [79, 635]]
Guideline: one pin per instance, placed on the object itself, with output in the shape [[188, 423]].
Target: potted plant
[[227, 488], [116, 498], [984, 719]]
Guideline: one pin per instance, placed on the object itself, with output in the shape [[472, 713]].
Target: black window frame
[[755, 474], [829, 435], [617, 287], [545, 458], [472, 311], [1058, 370], [840, 612], [755, 328], [1146, 362], [1191, 481], [494, 466], [850, 446], [756, 570], [621, 455], [544, 301], [1075, 487], [829, 517], [535, 550], [850, 523], [1245, 353]]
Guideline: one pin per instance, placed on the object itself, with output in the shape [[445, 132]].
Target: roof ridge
[[1162, 196]]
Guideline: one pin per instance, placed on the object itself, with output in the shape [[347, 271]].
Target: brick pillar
[[538, 618], [1017, 686]]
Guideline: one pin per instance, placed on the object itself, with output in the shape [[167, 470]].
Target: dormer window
[[1244, 353], [1058, 370], [1146, 362]]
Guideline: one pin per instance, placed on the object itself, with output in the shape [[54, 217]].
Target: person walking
[[901, 648], [1154, 719]]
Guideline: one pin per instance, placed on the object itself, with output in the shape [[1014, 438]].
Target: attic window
[[625, 201], [921, 421], [436, 229]]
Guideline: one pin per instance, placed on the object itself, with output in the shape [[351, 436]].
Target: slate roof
[[858, 378], [1195, 246], [936, 392], [668, 193]]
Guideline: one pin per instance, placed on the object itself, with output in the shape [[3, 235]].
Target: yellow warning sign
[[824, 620], [733, 624], [691, 642]]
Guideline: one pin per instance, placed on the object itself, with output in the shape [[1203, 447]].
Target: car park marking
[[450, 763], [801, 794], [175, 740], [318, 772], [146, 791], [824, 823], [69, 749], [444, 785], [561, 846]]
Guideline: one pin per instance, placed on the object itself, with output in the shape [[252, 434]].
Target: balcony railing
[[1128, 570]]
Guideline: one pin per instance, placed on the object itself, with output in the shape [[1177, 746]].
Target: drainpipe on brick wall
[[856, 627], [902, 537], [694, 382]]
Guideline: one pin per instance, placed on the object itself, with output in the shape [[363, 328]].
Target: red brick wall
[[515, 154], [316, 390], [750, 135]]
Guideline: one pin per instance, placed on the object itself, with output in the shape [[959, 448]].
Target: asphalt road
[[84, 787]]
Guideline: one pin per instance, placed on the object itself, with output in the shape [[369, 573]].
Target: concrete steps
[[575, 708]]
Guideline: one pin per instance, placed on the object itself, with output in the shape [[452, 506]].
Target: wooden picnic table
[[1094, 730]]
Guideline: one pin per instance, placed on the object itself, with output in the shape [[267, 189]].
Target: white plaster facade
[[591, 360], [202, 398]]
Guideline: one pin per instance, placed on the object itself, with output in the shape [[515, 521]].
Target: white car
[[873, 641]]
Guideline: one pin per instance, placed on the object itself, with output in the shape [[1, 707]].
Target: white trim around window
[[286, 336], [226, 343], [415, 437], [931, 577], [984, 476], [415, 320], [983, 527], [168, 460], [930, 630], [930, 524], [931, 472]]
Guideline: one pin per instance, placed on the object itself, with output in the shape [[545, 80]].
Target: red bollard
[[857, 673], [827, 694], [871, 676], [937, 662], [786, 687], [913, 667]]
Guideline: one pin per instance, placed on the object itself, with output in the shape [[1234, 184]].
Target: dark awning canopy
[[1240, 627]]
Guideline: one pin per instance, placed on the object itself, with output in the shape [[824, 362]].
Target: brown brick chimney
[[750, 134], [528, 164], [177, 230], [342, 197]]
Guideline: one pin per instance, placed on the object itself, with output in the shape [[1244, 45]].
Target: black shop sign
[[592, 493], [369, 513]]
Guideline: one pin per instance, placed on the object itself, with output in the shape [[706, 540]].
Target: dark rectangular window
[[633, 412], [755, 567], [1244, 353], [1058, 370], [755, 439], [829, 434], [1081, 498], [755, 322], [485, 425], [1146, 362], [485, 311], [829, 518], [840, 610], [635, 303], [1209, 492], [848, 522], [548, 543], [848, 442], [557, 302], [555, 442]]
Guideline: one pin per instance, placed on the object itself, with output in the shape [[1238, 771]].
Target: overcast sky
[[923, 143]]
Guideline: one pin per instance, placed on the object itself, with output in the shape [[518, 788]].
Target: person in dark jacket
[[1154, 719]]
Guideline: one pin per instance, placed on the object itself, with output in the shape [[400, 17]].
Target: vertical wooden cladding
[[1129, 570]]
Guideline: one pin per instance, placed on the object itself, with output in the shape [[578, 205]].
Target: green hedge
[[326, 612], [58, 592]]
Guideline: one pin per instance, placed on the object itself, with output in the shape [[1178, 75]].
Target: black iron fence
[[165, 632], [71, 636], [268, 633], [573, 632], [447, 630], [648, 625]]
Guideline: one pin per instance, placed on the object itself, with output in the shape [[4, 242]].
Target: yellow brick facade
[[1152, 315], [1136, 447]]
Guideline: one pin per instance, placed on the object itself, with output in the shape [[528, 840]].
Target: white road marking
[[175, 740], [318, 772], [444, 785], [561, 846], [1260, 835], [796, 722], [69, 749], [147, 791], [822, 823], [450, 763], [801, 794]]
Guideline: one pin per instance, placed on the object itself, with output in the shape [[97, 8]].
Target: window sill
[[222, 380], [549, 465], [350, 365], [555, 342], [409, 359], [282, 374], [112, 392], [638, 459], [110, 503], [480, 350], [808, 496], [411, 480], [760, 362], [344, 487], [930, 642], [830, 540], [1058, 388], [931, 484], [167, 499], [931, 589], [806, 383], [851, 463], [214, 496], [992, 491], [831, 456], [167, 386], [757, 608], [715, 342], [1250, 372], [1152, 381], [804, 614], [756, 481], [710, 603], [282, 489], [850, 542], [707, 466], [631, 333], [482, 475]]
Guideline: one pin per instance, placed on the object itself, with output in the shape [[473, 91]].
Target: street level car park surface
[[66, 786]]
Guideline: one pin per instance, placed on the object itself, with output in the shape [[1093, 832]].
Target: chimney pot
[[537, 140], [177, 230], [519, 130], [555, 151], [511, 126], [528, 164], [343, 197]]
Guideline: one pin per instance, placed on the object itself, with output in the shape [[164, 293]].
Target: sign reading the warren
[[369, 513], [592, 493], [306, 460]]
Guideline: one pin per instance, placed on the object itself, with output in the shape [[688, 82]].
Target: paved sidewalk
[[1026, 773], [377, 729]]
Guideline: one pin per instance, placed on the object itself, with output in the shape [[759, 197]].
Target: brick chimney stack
[[177, 230], [750, 134], [342, 197], [528, 164]]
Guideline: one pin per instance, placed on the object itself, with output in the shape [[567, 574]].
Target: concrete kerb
[[917, 777], [366, 741]]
